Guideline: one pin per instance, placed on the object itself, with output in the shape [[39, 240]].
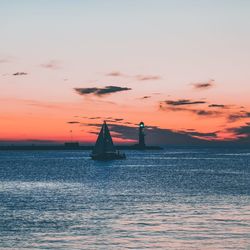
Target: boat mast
[[104, 136]]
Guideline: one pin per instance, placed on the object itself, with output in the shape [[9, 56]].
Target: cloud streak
[[186, 105], [199, 112], [147, 77], [73, 122], [100, 91], [4, 60], [204, 85], [136, 77], [116, 74], [20, 74], [182, 102], [52, 64], [206, 136], [217, 106], [145, 97], [238, 116]]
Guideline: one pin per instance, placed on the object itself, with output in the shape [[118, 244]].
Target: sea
[[176, 198]]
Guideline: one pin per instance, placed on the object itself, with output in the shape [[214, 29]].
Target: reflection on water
[[174, 199]]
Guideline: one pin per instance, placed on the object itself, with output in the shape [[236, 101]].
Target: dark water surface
[[171, 199]]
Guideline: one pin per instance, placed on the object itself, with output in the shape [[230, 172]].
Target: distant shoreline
[[118, 147], [73, 147]]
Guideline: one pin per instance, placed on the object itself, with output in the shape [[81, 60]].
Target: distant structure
[[141, 143], [71, 145], [103, 149]]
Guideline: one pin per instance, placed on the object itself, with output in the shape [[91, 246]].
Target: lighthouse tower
[[141, 144]]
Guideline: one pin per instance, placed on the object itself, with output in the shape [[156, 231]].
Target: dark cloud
[[94, 132], [73, 122], [182, 102], [107, 119], [116, 120], [85, 91], [242, 134], [216, 106], [94, 118], [212, 110], [243, 130], [158, 136], [147, 77], [205, 112], [183, 105], [203, 85], [100, 91], [129, 123], [211, 135], [189, 137], [20, 74], [53, 64], [180, 107], [238, 116]]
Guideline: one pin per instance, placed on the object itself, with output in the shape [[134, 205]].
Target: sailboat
[[104, 148]]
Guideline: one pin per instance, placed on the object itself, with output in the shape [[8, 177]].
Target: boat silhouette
[[104, 148]]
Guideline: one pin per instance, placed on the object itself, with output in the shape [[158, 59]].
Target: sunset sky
[[181, 66]]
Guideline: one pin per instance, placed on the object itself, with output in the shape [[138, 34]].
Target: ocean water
[[170, 199]]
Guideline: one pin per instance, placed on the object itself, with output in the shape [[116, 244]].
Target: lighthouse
[[141, 136]]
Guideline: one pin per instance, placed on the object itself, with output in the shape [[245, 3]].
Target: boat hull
[[108, 156]]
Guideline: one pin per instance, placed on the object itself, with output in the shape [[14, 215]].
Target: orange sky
[[172, 67]]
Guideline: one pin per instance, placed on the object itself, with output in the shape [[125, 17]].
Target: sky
[[181, 66]]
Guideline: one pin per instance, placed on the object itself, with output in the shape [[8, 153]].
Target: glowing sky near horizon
[[162, 50]]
